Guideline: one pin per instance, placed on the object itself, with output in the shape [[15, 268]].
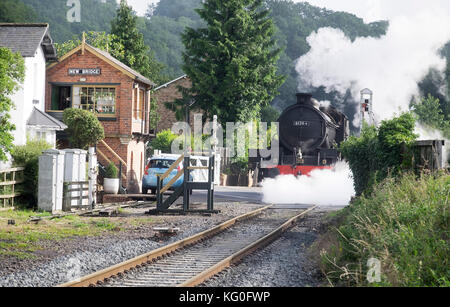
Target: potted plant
[[111, 182]]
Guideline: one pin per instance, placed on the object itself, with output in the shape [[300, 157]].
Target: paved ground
[[229, 194]]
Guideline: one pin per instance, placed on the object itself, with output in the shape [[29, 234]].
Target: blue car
[[157, 166]]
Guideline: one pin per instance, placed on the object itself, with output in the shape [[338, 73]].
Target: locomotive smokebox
[[304, 98]]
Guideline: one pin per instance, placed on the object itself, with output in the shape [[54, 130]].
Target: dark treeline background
[[167, 20]]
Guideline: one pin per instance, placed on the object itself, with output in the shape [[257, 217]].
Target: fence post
[[120, 178], [186, 196], [93, 171], [66, 198]]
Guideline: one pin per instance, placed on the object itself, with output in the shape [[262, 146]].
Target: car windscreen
[[160, 163]]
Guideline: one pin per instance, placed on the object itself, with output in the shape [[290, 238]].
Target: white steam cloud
[[323, 187], [391, 66]]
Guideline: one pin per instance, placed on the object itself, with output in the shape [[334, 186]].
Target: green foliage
[[100, 40], [380, 151], [28, 157], [155, 117], [163, 141], [405, 225], [84, 128], [112, 171], [429, 112], [16, 11], [95, 16], [231, 62], [137, 55], [269, 114], [12, 74]]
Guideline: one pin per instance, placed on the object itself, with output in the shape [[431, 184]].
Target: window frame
[[95, 87]]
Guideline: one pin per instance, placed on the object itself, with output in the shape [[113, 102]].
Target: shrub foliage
[[28, 157], [380, 151], [84, 128]]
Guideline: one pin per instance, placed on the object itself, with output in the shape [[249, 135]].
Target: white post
[[93, 172], [217, 157]]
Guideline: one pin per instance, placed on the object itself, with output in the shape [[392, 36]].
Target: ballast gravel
[[284, 263], [68, 260]]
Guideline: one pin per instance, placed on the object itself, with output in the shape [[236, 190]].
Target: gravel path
[[66, 260], [284, 263]]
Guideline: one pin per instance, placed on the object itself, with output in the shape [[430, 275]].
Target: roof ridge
[[131, 70], [31, 25], [170, 82]]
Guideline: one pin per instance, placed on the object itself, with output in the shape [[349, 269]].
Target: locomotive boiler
[[309, 137]]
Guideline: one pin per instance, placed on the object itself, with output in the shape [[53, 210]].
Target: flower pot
[[111, 185], [223, 180]]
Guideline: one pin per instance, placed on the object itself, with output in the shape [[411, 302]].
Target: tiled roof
[[42, 119], [27, 38]]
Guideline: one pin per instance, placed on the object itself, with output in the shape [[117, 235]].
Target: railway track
[[192, 261]]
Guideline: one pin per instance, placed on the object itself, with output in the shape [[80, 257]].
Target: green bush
[[112, 171], [28, 157], [163, 141], [381, 151], [405, 225], [84, 128]]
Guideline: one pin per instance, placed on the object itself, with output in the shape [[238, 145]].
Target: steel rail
[[123, 267], [217, 268]]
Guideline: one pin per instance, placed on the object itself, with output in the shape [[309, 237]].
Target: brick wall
[[168, 95]]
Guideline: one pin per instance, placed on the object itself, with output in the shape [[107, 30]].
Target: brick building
[[168, 93], [91, 79]]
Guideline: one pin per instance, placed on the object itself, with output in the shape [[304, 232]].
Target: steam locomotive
[[309, 137]]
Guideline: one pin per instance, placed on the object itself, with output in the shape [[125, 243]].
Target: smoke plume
[[323, 187], [391, 66]]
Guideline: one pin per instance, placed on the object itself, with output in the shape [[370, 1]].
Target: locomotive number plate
[[301, 124]]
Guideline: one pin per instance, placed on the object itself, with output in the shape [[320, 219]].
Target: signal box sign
[[85, 71]]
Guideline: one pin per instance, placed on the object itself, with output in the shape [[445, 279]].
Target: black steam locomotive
[[309, 136]]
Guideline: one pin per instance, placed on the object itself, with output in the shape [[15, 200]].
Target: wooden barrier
[[8, 180]]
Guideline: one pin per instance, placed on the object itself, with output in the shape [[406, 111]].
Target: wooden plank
[[171, 182], [11, 182], [174, 165], [8, 196], [114, 153], [17, 169], [78, 190]]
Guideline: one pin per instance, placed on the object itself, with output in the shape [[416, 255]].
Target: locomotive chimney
[[304, 98]]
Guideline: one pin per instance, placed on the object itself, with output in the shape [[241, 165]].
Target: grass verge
[[24, 238], [403, 227]]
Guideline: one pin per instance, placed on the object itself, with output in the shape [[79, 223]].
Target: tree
[[232, 61], [12, 74], [16, 11], [100, 40], [429, 112], [137, 55], [84, 128]]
